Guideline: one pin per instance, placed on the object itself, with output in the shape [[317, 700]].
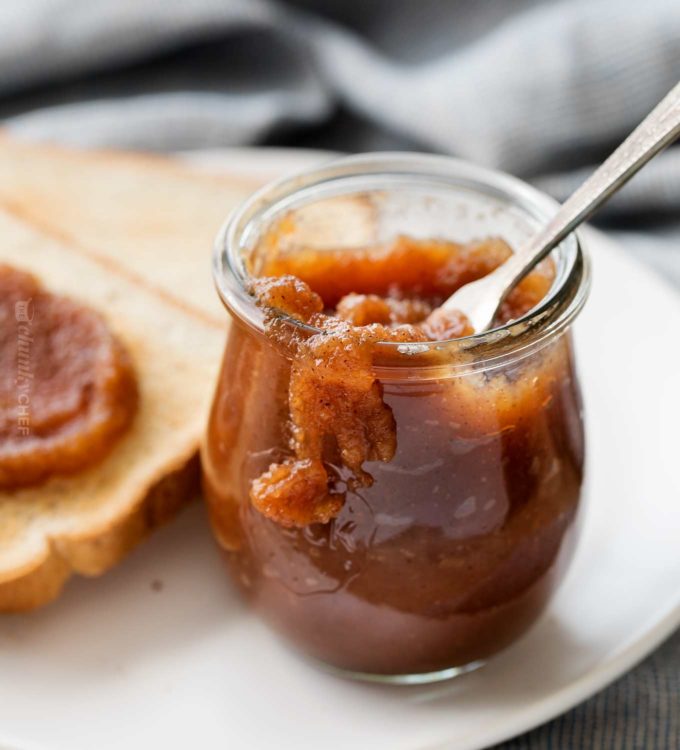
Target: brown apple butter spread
[[67, 387], [388, 513], [334, 396]]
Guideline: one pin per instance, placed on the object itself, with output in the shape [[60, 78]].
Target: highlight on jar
[[395, 494]]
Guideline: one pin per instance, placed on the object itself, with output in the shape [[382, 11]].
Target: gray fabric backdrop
[[541, 89]]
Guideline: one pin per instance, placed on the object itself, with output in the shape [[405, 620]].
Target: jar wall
[[458, 544]]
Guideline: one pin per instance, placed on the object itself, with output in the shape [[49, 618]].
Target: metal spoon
[[480, 299]]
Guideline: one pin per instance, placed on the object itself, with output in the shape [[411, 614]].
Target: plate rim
[[572, 693]]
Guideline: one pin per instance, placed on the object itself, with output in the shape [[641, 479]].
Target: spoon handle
[[658, 130]]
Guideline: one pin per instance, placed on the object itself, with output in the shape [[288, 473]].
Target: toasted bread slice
[[131, 235], [149, 217], [85, 523], [152, 217]]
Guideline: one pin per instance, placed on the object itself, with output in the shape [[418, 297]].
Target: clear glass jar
[[459, 543]]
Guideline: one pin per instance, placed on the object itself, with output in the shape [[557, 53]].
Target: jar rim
[[539, 325]]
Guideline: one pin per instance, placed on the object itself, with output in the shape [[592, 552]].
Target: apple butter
[[67, 387], [396, 496]]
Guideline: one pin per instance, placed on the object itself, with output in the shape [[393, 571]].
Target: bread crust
[[98, 550]]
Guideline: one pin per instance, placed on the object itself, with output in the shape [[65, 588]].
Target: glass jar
[[457, 546]]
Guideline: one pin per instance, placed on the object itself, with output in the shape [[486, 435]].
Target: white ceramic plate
[[117, 663]]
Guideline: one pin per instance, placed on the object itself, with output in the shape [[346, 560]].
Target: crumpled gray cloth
[[541, 89]]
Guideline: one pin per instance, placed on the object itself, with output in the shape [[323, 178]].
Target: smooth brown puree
[[391, 525], [67, 387]]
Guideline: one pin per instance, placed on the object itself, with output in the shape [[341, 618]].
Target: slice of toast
[[149, 217], [132, 236], [87, 522]]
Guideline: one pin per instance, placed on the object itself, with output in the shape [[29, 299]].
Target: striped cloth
[[540, 89], [639, 712]]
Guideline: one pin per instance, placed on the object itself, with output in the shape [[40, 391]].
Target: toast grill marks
[[67, 386], [146, 217]]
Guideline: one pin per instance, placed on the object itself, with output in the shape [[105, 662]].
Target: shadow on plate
[[171, 591]]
